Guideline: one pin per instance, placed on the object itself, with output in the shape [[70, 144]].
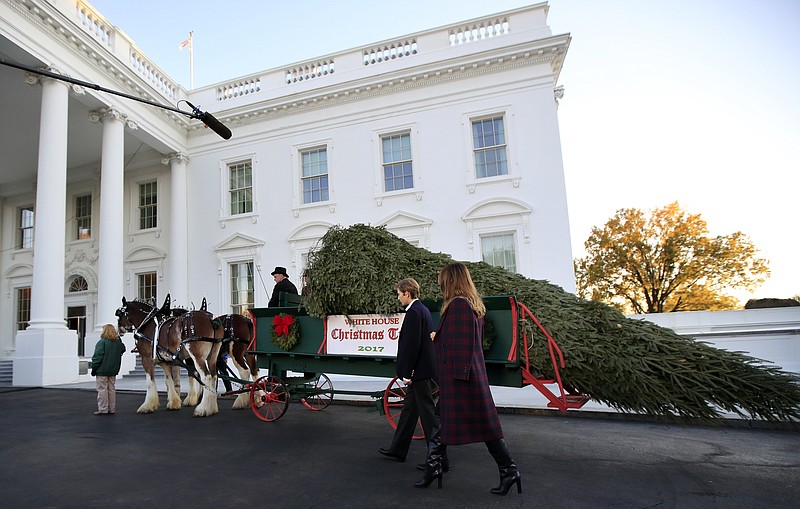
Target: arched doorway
[[76, 309]]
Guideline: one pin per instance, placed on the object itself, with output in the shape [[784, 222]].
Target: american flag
[[186, 42]]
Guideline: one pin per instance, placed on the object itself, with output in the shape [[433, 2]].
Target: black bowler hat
[[279, 270]]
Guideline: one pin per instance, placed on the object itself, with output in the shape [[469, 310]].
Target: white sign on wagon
[[368, 335]]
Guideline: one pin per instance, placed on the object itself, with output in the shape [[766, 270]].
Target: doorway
[[76, 320]]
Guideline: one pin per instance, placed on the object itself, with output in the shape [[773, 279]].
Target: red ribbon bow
[[281, 324]]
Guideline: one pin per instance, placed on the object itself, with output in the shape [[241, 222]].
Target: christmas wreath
[[285, 331]]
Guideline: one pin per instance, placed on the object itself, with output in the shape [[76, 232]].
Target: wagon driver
[[282, 284]]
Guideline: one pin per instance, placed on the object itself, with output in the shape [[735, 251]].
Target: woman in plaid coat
[[466, 407]]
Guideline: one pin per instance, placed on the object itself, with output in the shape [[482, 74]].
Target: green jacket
[[107, 357]]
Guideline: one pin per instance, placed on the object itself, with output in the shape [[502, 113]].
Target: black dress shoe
[[392, 455]]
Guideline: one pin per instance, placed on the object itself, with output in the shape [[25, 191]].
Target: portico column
[[111, 239], [49, 236], [179, 230], [46, 352]]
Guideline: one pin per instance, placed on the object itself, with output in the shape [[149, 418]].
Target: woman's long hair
[[109, 332], [455, 281]]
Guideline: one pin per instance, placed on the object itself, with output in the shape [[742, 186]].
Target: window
[[315, 175], [148, 205], [489, 145], [242, 287], [78, 284], [23, 307], [83, 217], [241, 187], [146, 284], [397, 172], [25, 225], [498, 251]]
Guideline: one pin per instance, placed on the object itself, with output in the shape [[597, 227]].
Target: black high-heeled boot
[[509, 474], [445, 464], [433, 466]]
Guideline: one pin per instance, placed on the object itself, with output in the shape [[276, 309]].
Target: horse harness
[[188, 329], [228, 328]]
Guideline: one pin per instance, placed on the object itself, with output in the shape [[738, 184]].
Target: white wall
[[770, 334], [439, 120]]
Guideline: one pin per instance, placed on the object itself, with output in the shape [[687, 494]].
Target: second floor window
[[83, 217], [499, 251], [148, 205], [315, 175], [25, 226], [241, 187], [397, 171], [242, 287], [146, 283], [489, 146]]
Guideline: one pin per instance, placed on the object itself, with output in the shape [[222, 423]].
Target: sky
[[694, 101]]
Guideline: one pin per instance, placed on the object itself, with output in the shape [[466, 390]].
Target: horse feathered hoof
[[242, 401]]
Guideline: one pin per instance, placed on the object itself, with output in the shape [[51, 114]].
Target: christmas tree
[[631, 365]]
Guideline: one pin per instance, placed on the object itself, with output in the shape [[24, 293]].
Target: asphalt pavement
[[56, 453]]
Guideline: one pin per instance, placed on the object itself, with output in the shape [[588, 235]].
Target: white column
[[47, 351], [47, 293], [110, 275], [179, 230]]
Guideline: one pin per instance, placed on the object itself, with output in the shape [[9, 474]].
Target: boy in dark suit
[[416, 367]]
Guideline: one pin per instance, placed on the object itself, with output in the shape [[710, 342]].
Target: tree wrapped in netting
[[631, 365]]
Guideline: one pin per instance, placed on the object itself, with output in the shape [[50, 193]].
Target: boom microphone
[[204, 116], [210, 121]]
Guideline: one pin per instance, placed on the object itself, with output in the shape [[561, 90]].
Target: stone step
[[6, 372]]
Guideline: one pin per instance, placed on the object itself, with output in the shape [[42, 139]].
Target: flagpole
[[191, 62], [191, 57]]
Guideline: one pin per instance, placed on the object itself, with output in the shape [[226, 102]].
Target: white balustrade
[[238, 88], [306, 72], [479, 31], [152, 74], [93, 22], [457, 35], [390, 52]]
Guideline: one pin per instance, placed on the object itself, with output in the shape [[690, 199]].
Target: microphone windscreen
[[215, 125]]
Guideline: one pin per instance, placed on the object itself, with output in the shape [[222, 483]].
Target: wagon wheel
[[393, 404], [269, 398], [320, 400]]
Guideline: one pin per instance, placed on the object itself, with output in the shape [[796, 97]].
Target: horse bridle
[[152, 314]]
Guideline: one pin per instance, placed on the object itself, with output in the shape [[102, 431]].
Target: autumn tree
[[666, 261]]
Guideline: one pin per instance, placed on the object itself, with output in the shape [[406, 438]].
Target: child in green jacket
[[105, 367]]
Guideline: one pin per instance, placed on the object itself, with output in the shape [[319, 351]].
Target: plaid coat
[[466, 407]]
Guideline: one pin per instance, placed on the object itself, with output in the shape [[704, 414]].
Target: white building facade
[[448, 137]]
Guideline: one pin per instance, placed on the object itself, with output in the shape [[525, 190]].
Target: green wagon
[[311, 358]]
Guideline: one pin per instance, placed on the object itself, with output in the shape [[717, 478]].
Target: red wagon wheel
[[320, 400], [269, 398], [393, 404]]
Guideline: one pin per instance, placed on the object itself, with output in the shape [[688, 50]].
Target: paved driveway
[[56, 453]]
